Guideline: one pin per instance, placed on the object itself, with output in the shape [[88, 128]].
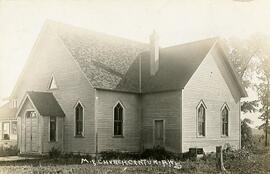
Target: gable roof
[[118, 64], [6, 112], [232, 70], [45, 103], [109, 62], [176, 65], [113, 63]]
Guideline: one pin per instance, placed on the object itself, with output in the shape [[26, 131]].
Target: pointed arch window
[[118, 120], [201, 119], [225, 121], [79, 120]]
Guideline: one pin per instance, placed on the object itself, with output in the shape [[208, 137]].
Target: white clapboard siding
[[213, 84], [165, 106], [131, 140], [50, 57]]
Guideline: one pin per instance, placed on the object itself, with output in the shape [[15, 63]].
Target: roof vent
[[52, 83], [154, 53]]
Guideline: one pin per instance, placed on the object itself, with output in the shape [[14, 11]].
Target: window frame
[[201, 103], [56, 135], [11, 127], [8, 130], [75, 121], [221, 120], [122, 121], [154, 128]]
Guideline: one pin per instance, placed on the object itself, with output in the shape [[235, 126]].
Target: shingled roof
[[109, 62], [114, 63], [45, 103], [6, 112], [176, 65]]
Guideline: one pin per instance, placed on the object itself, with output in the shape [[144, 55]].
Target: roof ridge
[[214, 39], [40, 92], [87, 30]]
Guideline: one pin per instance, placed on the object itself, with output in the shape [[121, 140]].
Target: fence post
[[193, 153]]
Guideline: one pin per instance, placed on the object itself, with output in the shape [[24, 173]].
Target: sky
[[176, 21]]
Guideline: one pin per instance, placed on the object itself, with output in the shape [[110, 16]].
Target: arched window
[[52, 128], [79, 120], [118, 120], [225, 121], [201, 119], [30, 114]]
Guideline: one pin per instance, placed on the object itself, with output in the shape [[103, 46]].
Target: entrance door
[[31, 132], [159, 133]]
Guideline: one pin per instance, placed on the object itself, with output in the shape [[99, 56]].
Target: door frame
[[30, 110], [154, 128]]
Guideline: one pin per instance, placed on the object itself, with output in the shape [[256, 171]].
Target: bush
[[9, 151], [240, 154], [54, 153], [158, 153], [108, 155]]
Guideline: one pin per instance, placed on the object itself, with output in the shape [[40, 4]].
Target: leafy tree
[[242, 54], [246, 133], [259, 46], [251, 57], [249, 106], [263, 90]]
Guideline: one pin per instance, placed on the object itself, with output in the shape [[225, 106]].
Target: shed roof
[[45, 103], [6, 112]]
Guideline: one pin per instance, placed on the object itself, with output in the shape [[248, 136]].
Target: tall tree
[[251, 58], [263, 71], [262, 80], [242, 53], [246, 134]]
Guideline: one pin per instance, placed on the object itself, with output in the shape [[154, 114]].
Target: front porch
[[40, 124]]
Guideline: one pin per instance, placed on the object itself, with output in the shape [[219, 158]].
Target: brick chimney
[[154, 53]]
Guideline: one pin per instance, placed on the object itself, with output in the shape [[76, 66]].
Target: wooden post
[[96, 156], [219, 158], [267, 115], [193, 153]]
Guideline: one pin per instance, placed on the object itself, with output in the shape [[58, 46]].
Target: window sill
[[118, 136], [224, 136], [200, 136], [52, 141], [78, 136]]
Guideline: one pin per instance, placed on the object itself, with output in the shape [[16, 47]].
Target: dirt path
[[14, 158]]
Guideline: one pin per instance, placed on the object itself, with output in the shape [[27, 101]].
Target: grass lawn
[[240, 161], [256, 163]]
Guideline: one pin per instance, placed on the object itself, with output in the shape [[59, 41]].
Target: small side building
[[8, 125], [40, 120]]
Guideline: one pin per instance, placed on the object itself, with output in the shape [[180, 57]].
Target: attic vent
[[52, 83]]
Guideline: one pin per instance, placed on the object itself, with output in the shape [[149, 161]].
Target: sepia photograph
[[134, 87]]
